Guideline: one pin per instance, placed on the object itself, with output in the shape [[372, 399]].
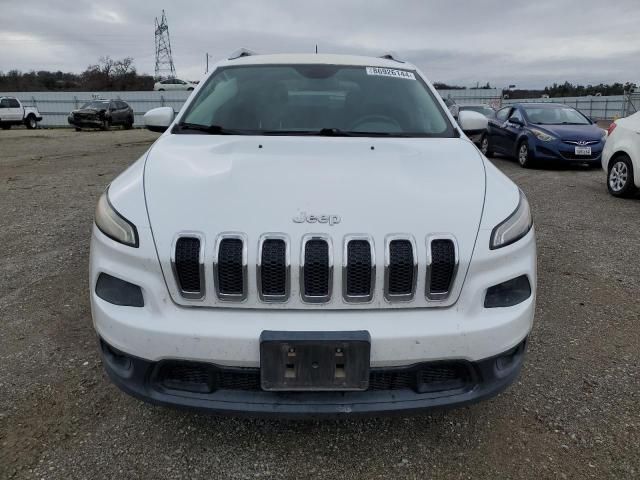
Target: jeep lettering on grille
[[330, 219]]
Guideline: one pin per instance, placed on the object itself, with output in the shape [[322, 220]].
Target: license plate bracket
[[583, 150], [315, 361]]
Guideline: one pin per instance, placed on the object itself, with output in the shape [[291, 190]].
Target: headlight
[[114, 225], [540, 135], [604, 134], [516, 225]]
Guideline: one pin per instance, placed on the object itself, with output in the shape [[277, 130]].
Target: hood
[[89, 111], [572, 132], [211, 184]]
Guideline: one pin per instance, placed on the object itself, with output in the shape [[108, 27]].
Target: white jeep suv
[[312, 235]]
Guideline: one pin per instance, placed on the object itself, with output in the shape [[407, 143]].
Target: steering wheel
[[375, 118]]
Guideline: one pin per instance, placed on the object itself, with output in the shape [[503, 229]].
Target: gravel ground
[[574, 413]]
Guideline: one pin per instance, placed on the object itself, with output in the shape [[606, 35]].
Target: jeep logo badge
[[330, 219]]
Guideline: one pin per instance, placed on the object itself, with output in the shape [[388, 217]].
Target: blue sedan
[[545, 131]]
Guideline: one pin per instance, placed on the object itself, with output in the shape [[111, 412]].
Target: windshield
[[555, 116], [485, 110], [315, 99], [97, 105]]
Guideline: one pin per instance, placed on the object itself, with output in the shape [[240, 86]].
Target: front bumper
[[236, 391], [85, 122], [230, 336], [558, 150]]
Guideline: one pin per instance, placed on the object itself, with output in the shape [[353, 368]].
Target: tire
[[106, 124], [31, 122], [161, 89], [485, 148], [620, 177], [6, 126], [190, 89], [523, 155], [128, 124], [78, 129]]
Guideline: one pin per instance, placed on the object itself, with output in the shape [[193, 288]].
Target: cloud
[[526, 43]]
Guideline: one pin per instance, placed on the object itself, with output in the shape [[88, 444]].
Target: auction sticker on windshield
[[390, 72]]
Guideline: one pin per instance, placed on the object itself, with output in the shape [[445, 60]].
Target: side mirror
[[159, 119], [515, 121], [472, 122]]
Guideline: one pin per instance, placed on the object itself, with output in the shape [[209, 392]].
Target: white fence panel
[[55, 106], [597, 108]]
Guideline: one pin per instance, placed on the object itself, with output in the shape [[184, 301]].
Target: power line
[[164, 60]]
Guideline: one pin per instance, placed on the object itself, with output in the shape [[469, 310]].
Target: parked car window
[[502, 113], [13, 103], [307, 98], [555, 115], [4, 103]]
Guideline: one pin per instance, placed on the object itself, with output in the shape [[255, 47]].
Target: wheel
[[128, 124], [189, 89], [485, 148], [31, 122], [524, 155], [620, 177], [161, 89], [78, 129], [106, 124], [5, 126]]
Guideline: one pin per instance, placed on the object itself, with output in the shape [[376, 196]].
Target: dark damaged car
[[102, 114]]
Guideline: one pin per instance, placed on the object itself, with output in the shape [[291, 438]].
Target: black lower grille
[[573, 156], [186, 376], [273, 268], [401, 268], [442, 268], [230, 268], [205, 378], [187, 264], [359, 267], [316, 268]]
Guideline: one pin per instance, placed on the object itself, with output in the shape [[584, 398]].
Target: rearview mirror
[[472, 122], [159, 119]]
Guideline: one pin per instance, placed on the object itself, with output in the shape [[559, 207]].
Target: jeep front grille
[[316, 269], [442, 263], [188, 266], [272, 279], [230, 268]]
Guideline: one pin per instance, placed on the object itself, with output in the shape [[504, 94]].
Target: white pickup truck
[[12, 112]]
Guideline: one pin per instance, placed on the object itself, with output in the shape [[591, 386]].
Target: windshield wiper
[[323, 132], [210, 129]]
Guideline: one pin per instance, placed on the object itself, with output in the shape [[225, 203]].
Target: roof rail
[[391, 56], [241, 52]]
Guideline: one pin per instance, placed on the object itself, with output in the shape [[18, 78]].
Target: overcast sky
[[527, 43]]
